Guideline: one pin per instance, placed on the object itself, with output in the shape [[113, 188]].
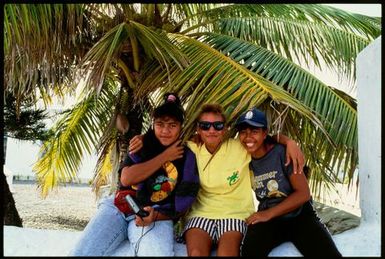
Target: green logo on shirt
[[233, 178]]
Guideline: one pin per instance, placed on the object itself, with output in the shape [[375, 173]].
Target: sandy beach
[[65, 208], [71, 207]]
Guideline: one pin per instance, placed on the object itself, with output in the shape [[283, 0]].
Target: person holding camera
[[163, 180]]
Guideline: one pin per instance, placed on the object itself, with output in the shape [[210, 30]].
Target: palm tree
[[238, 55]]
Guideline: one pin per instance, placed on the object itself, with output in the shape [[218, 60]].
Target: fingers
[[295, 166], [177, 143], [136, 144], [139, 221], [287, 161], [251, 221], [149, 209], [145, 221], [298, 164], [301, 163], [175, 151]]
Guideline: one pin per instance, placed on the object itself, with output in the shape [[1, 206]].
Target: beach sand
[[71, 207]]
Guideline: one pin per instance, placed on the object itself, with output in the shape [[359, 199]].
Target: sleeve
[[187, 189], [129, 160], [288, 170]]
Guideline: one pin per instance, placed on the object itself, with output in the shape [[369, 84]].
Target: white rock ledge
[[364, 240]]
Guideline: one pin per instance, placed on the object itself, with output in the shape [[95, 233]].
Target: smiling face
[[252, 139], [211, 137], [167, 130]]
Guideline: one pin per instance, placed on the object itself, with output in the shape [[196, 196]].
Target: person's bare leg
[[198, 242], [229, 243]]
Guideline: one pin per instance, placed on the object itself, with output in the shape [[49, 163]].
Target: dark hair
[[171, 107]]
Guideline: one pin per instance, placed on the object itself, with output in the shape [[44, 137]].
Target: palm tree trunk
[[11, 216]]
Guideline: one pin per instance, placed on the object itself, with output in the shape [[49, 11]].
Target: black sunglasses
[[205, 125]]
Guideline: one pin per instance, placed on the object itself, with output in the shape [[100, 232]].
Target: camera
[[135, 208]]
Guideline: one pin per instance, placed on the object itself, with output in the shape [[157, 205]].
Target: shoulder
[[235, 143], [191, 145], [280, 151], [279, 148]]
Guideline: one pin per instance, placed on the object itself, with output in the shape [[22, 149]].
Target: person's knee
[[157, 240], [198, 242], [196, 251], [229, 244]]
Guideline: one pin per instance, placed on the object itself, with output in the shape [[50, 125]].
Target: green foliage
[[238, 55], [25, 124]]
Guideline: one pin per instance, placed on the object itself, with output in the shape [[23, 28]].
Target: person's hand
[[260, 216], [295, 155], [145, 221], [136, 143], [174, 151]]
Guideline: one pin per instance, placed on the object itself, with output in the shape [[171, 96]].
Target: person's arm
[[300, 195], [293, 153], [138, 172]]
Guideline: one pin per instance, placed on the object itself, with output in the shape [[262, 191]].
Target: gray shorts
[[216, 227]]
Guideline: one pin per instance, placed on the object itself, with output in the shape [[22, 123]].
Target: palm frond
[[109, 48], [304, 34], [107, 165], [217, 78], [39, 44], [77, 132], [297, 81]]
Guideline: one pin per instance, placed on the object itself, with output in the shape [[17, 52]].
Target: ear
[[265, 134]]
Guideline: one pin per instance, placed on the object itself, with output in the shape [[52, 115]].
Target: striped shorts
[[216, 227]]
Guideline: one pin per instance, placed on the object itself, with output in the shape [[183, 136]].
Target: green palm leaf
[[247, 59], [107, 50], [308, 32], [216, 78], [297, 81], [36, 37], [77, 131]]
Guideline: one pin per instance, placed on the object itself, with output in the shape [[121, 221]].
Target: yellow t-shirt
[[225, 184]]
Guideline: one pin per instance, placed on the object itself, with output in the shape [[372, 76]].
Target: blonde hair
[[211, 108]]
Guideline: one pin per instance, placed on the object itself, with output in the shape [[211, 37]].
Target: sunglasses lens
[[218, 125], [204, 125]]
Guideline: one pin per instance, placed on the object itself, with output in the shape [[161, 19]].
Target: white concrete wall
[[365, 240], [369, 130]]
